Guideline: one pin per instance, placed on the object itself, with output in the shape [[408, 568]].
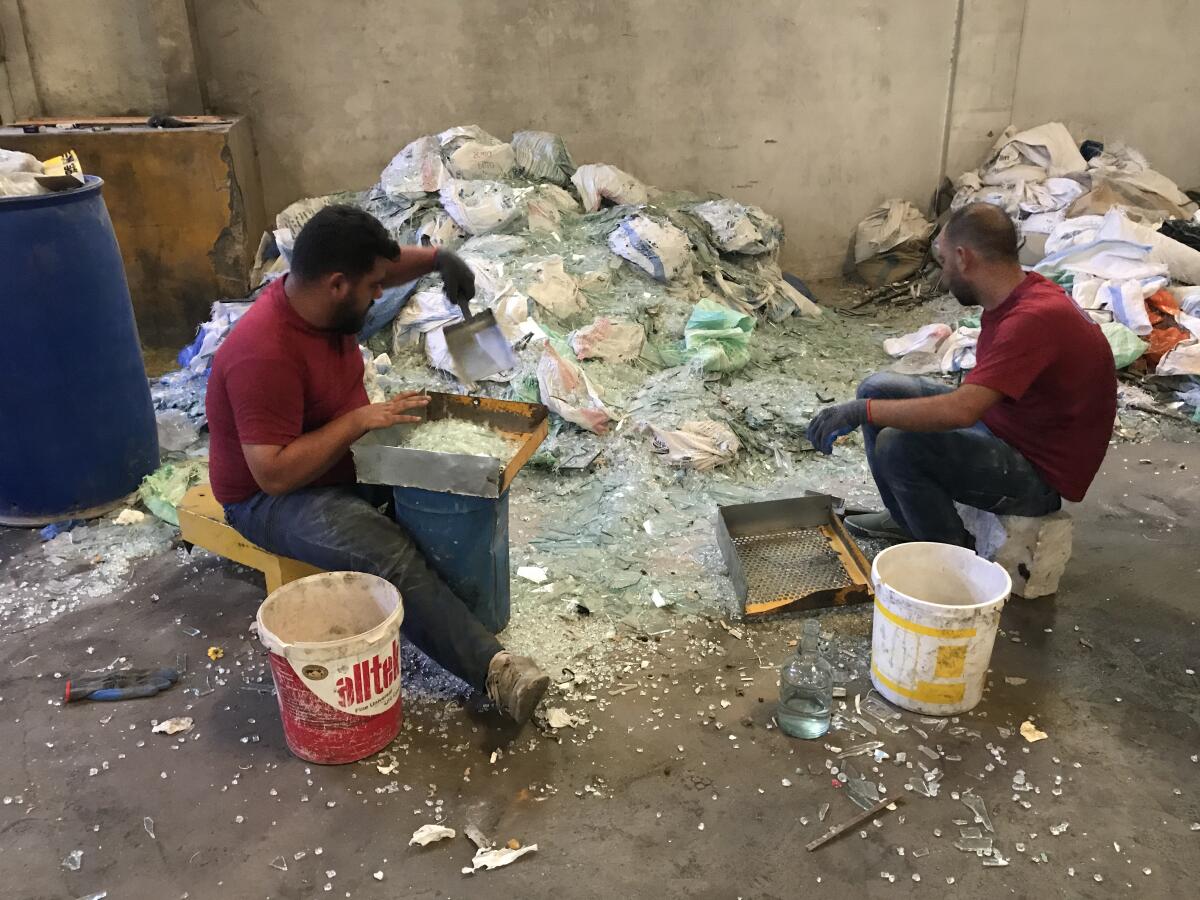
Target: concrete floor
[[616, 807]]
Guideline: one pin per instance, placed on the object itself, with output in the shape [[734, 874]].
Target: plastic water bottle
[[805, 689]]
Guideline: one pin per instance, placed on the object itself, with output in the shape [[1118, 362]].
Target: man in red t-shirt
[[1028, 427], [285, 402]]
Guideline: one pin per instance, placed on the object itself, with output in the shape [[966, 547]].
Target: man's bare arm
[[280, 470]]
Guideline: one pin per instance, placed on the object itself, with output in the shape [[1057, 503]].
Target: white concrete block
[[1034, 551]]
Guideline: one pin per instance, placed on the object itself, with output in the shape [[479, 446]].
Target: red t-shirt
[[274, 378], [1056, 372]]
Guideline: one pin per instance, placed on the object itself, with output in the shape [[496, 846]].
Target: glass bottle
[[805, 688]]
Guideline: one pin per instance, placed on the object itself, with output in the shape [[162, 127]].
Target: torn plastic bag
[[568, 392], [1126, 345], [660, 249], [427, 310], [479, 207], [740, 229], [437, 229], [383, 311], [596, 181], [13, 162], [554, 290], [416, 170], [543, 156], [891, 243], [1046, 151], [958, 351], [923, 340], [717, 338], [609, 340], [1184, 359], [700, 445], [21, 184], [162, 490]]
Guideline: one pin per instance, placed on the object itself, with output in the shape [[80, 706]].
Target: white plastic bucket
[[937, 608], [334, 642]]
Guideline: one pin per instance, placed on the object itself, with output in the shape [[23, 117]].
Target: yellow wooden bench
[[202, 523]]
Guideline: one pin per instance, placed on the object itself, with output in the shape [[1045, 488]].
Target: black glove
[[834, 421], [457, 278]]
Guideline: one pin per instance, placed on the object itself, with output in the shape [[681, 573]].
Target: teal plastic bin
[[465, 540]]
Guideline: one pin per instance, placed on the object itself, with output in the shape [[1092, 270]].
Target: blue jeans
[[921, 474], [341, 529]]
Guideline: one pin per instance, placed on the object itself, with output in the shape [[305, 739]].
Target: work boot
[[516, 685], [879, 525]]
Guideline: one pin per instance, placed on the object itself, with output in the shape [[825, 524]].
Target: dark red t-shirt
[[1056, 372], [274, 378]]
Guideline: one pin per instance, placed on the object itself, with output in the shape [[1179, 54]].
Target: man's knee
[[886, 385], [895, 449]]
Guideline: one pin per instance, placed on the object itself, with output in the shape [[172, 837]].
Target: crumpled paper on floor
[[1032, 733], [700, 445], [428, 834], [494, 859]]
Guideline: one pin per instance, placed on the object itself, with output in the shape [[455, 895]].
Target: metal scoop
[[478, 346]]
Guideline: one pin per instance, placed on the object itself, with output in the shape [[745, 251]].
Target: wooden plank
[[115, 121]]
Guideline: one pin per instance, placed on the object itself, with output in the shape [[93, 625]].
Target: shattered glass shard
[[977, 806]]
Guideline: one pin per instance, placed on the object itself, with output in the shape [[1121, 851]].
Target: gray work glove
[[834, 421], [457, 278]]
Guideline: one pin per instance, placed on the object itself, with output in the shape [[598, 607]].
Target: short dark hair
[[341, 238], [985, 228]]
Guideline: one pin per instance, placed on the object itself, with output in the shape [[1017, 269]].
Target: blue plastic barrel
[[77, 430], [465, 540]]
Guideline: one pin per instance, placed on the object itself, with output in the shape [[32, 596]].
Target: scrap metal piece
[[791, 555], [850, 824]]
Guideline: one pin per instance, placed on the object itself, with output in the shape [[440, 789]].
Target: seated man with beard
[[285, 402], [1029, 425]]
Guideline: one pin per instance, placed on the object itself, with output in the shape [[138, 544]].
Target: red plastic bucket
[[334, 642]]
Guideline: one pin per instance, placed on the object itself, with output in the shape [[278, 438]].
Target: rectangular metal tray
[[791, 555], [380, 459]]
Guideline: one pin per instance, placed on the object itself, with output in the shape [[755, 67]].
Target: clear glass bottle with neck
[[806, 688]]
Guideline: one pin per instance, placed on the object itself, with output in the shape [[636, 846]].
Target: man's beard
[[347, 320], [964, 293]]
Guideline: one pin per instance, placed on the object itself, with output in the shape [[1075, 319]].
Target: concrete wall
[[1126, 72], [814, 110]]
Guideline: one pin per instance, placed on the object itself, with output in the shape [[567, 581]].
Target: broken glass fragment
[[974, 845], [977, 806], [860, 749], [148, 824], [73, 860]]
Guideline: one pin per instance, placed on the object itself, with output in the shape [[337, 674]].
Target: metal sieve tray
[[791, 555]]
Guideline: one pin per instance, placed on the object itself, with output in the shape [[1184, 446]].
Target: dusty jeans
[[342, 529], [920, 475]]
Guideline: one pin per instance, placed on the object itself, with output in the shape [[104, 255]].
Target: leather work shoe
[[877, 525], [516, 685]]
